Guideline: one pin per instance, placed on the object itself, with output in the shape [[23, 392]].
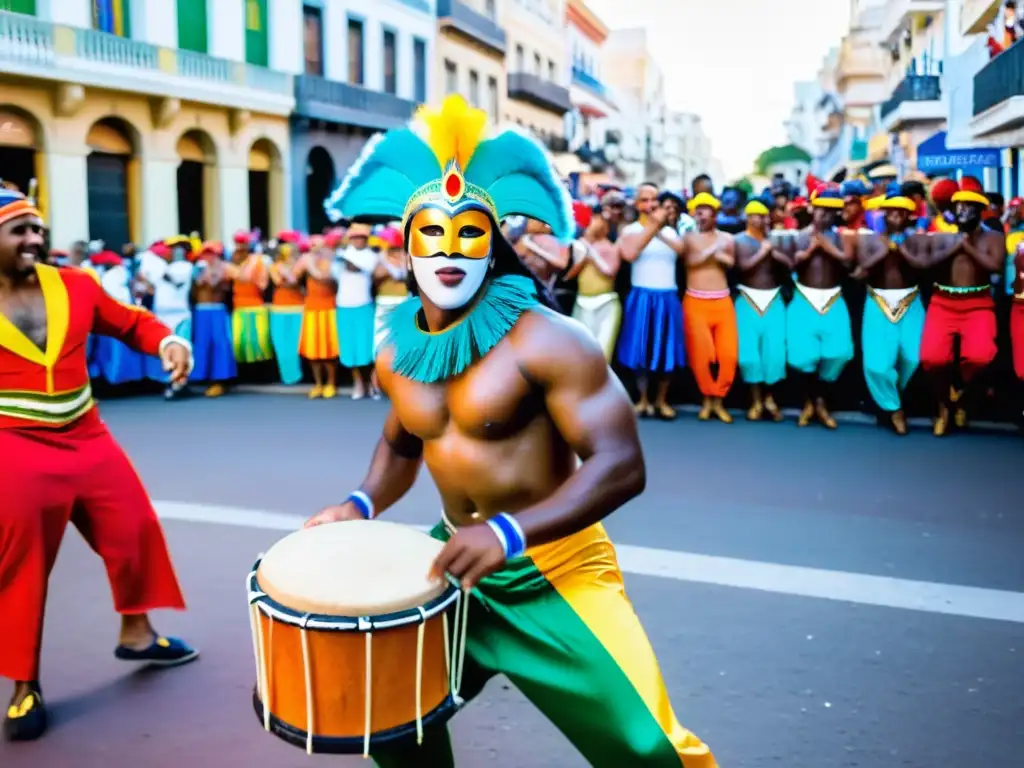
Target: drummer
[[500, 431]]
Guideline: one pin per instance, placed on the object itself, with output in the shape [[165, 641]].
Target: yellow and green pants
[[557, 623], [250, 333]]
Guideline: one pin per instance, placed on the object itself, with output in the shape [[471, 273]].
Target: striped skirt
[[250, 332], [319, 337]]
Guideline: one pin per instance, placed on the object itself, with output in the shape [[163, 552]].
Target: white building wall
[[225, 23], [284, 17], [154, 22], [407, 24]]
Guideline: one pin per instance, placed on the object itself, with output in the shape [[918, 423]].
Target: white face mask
[[441, 295]]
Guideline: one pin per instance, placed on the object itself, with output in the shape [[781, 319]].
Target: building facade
[[589, 126], [538, 75], [639, 84], [686, 139], [471, 49], [365, 67], [140, 119]]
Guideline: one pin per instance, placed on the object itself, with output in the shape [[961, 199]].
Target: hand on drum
[[470, 555], [336, 513]]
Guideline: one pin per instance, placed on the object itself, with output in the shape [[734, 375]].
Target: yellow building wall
[[152, 181], [466, 57], [539, 38]]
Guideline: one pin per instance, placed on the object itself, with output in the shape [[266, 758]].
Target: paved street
[[822, 600]]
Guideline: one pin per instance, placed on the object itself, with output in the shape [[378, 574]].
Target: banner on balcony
[[111, 16], [934, 158]]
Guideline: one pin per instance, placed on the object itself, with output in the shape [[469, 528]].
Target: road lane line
[[860, 588]]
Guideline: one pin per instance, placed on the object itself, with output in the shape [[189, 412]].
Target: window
[[419, 63], [552, 71], [192, 34], [390, 62], [520, 59], [451, 77], [490, 10], [355, 52], [474, 88], [536, 65], [111, 16], [257, 37], [313, 40], [492, 98]]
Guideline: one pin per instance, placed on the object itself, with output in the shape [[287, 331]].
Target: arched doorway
[[20, 162], [265, 193], [320, 180], [197, 175], [111, 171]]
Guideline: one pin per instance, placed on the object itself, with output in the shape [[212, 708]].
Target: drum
[[352, 641]]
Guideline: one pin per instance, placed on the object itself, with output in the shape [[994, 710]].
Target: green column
[[192, 25], [257, 37]]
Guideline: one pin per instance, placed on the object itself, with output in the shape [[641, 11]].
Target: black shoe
[[162, 652], [26, 721]]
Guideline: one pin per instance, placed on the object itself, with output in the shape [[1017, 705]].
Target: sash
[[894, 302], [821, 299], [759, 298]]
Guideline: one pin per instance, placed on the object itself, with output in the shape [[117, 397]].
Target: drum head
[[353, 568]]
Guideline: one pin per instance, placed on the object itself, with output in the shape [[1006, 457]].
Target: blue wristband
[[510, 534], [363, 502]]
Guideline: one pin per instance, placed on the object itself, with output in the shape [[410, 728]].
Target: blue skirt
[[651, 340], [115, 362], [355, 335], [212, 346]]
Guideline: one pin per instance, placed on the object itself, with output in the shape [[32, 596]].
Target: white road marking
[[860, 588]]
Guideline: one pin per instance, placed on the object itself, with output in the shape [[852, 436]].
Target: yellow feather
[[454, 131]]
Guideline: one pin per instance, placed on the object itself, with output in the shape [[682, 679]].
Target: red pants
[[76, 473], [972, 317], [1017, 337]]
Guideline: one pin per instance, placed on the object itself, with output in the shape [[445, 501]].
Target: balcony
[[317, 98], [588, 81], [463, 20], [31, 47], [898, 14], [999, 95], [860, 61], [542, 93], [976, 15], [917, 99]]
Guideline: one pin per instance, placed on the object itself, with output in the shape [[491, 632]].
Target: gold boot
[[756, 411], [705, 410], [941, 422], [806, 414], [821, 409], [960, 417], [772, 408], [215, 390], [316, 392], [718, 408], [899, 422]]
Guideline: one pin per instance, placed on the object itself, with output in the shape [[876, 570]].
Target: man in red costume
[[961, 306], [60, 463]]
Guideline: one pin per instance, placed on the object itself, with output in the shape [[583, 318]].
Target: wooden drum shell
[[337, 661]]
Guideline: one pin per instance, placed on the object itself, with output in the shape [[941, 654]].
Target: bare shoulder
[[383, 366], [992, 237], [551, 347]]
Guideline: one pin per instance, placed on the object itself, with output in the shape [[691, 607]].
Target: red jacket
[[51, 388]]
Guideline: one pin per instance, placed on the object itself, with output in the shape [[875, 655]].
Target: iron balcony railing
[[1000, 80], [912, 88], [460, 17], [536, 90], [323, 99], [586, 80]]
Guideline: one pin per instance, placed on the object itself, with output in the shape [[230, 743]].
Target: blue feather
[[518, 173], [389, 169]]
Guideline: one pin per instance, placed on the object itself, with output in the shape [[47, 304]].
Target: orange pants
[[709, 322], [75, 473]]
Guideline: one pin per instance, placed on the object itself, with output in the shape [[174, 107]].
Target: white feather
[[334, 213]]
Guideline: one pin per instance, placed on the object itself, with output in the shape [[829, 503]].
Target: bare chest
[[492, 400], [27, 313]]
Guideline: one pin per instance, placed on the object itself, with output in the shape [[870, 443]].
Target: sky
[[734, 62]]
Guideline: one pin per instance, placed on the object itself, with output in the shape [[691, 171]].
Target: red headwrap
[[105, 259], [161, 250], [334, 238], [971, 184], [942, 191], [582, 213], [288, 236], [242, 238], [813, 182]]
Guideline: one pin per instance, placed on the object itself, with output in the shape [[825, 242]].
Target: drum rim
[[349, 745], [329, 622]]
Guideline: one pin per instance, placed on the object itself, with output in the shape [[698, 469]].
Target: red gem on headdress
[[452, 185]]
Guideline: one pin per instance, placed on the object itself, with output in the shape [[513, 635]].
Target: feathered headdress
[[444, 158]]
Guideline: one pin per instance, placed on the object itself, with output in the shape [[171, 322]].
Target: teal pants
[[818, 342], [557, 623], [891, 349], [762, 357]]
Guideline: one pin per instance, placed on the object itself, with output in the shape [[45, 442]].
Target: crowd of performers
[[764, 284], [741, 260]]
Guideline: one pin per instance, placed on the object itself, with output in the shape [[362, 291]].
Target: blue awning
[[934, 157]]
